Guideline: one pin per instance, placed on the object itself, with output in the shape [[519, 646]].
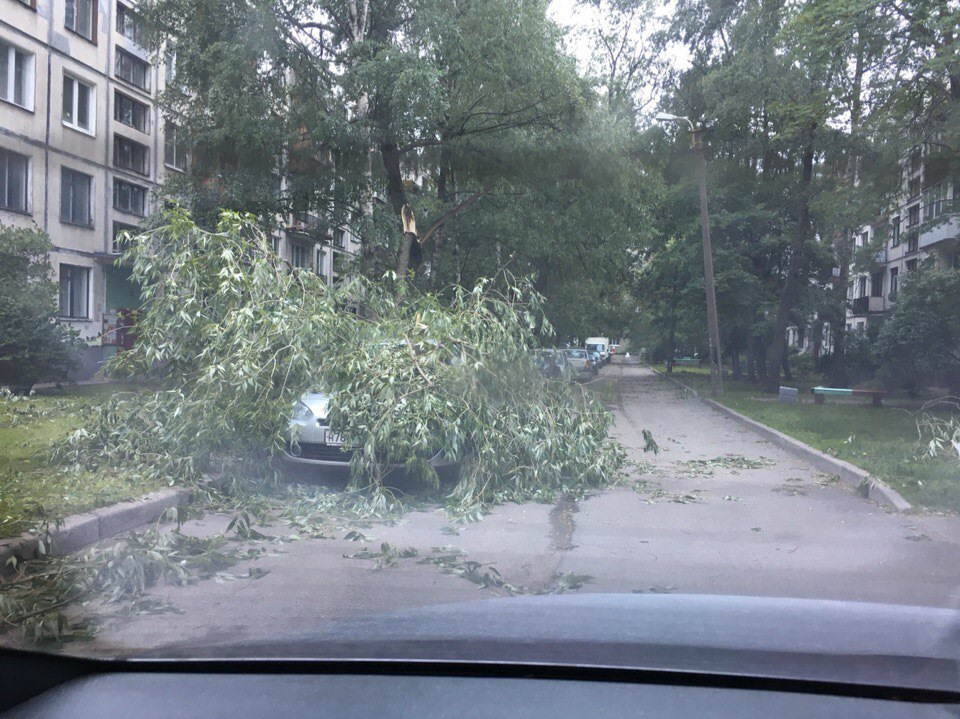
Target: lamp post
[[696, 143]]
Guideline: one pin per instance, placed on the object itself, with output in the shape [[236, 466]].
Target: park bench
[[819, 393], [686, 362]]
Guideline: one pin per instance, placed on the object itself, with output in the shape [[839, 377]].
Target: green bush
[[34, 346], [803, 365], [917, 344], [860, 356]]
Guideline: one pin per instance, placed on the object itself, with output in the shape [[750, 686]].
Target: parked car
[[580, 364], [311, 441], [551, 363]]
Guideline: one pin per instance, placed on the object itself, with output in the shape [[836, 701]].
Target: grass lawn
[[880, 440], [31, 489]]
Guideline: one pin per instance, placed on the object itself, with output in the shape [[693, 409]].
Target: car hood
[[801, 639]]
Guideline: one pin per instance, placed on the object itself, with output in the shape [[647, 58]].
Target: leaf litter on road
[[706, 467]]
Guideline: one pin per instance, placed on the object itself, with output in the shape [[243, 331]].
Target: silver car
[[580, 364], [312, 442]]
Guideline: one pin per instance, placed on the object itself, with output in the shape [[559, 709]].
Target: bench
[[819, 393], [686, 362]]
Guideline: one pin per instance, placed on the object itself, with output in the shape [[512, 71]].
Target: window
[[916, 158], [876, 284], [16, 76], [174, 152], [321, 261], [911, 265], [75, 198], [895, 232], [127, 23], [130, 155], [275, 244], [130, 112], [119, 244], [128, 197], [861, 286], [81, 17], [913, 187], [79, 104], [13, 181], [132, 69], [894, 280], [913, 215], [299, 255], [339, 237], [170, 67], [74, 291], [913, 241], [863, 238], [935, 201]]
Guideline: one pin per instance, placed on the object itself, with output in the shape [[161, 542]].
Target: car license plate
[[333, 439]]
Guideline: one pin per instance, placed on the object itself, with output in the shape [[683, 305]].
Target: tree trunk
[[778, 343], [397, 197], [358, 22], [671, 345], [751, 357], [446, 190], [838, 362]]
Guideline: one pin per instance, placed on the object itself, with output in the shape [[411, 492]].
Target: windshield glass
[[320, 342]]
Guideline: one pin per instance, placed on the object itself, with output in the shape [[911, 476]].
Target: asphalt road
[[718, 510]]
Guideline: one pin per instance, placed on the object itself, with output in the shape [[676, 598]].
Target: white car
[[312, 442]]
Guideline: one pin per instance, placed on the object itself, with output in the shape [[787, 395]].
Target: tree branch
[[452, 212]]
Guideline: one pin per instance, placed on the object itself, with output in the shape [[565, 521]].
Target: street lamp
[[696, 143]]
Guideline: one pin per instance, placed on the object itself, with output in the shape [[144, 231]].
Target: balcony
[[939, 218], [306, 224], [861, 305], [940, 229], [875, 305]]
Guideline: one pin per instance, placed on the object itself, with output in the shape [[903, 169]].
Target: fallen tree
[[232, 336]]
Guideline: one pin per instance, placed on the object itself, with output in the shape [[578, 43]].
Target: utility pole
[[713, 326]]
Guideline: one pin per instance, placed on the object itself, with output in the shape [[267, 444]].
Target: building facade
[[82, 148], [922, 226], [309, 244]]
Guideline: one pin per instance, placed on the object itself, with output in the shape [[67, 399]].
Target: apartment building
[[309, 243], [82, 148], [922, 224]]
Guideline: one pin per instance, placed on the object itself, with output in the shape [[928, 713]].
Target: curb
[[859, 479], [76, 531]]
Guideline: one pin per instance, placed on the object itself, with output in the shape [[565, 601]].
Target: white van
[[599, 344]]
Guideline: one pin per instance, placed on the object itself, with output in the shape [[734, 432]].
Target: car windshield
[[300, 315]]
